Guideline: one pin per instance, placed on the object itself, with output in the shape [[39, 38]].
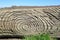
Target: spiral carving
[[24, 22]]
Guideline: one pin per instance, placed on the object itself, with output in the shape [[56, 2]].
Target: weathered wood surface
[[27, 21]]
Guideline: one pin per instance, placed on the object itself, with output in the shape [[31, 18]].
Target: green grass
[[39, 37]]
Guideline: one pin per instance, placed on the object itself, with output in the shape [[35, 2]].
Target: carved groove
[[28, 21]]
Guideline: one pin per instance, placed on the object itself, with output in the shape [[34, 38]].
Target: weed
[[39, 37]]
